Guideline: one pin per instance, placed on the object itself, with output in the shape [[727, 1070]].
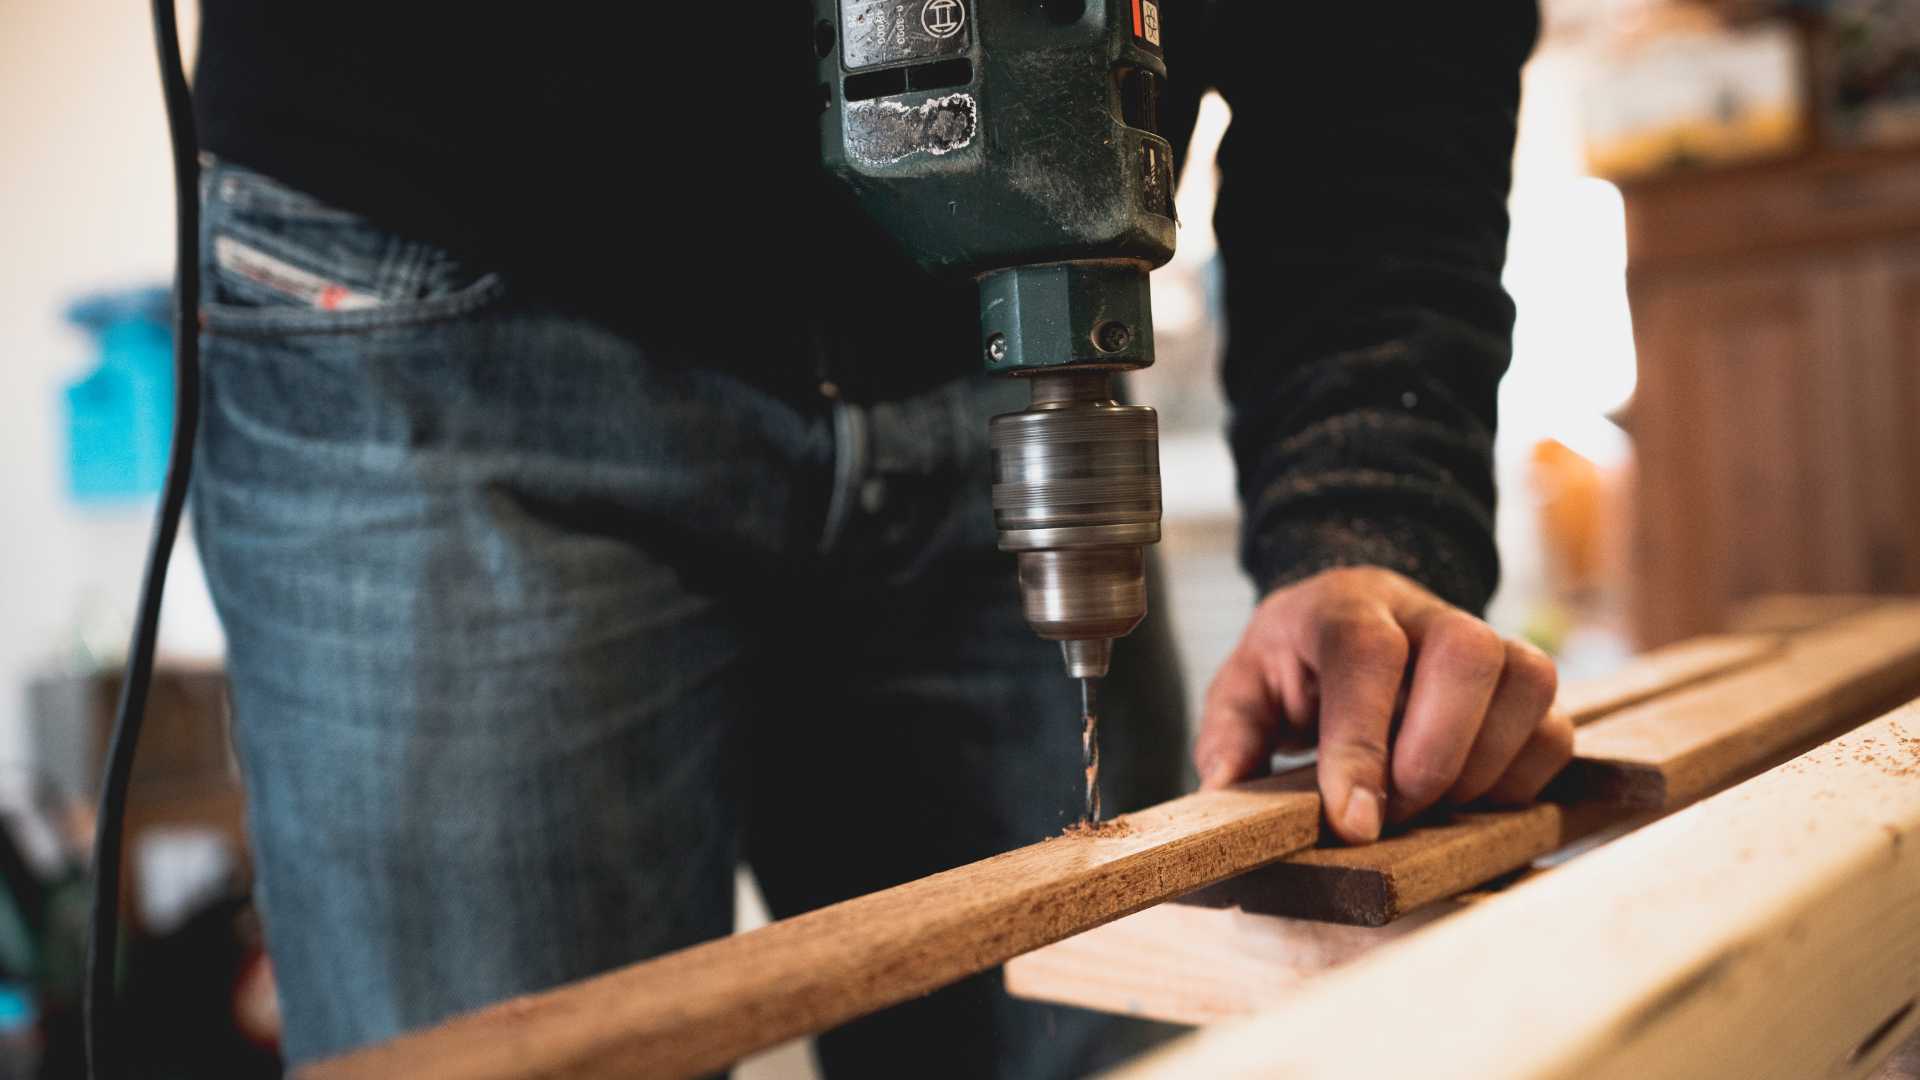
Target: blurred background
[[1715, 395]]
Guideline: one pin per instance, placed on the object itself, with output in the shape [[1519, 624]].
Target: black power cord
[[105, 1056]]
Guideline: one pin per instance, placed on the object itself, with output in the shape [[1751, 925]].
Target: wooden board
[[1680, 747], [1662, 671], [1655, 756], [1787, 613], [701, 1009], [1771, 931], [1186, 964], [1239, 958], [1384, 881]]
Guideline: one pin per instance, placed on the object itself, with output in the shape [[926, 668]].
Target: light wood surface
[[1771, 931], [1682, 746], [1662, 671], [1186, 964], [1788, 613], [703, 1008]]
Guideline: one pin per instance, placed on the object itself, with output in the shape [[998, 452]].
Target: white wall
[[85, 203]]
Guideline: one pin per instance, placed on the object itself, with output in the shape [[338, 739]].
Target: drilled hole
[[823, 37]]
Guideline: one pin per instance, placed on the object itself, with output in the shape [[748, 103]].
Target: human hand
[[1332, 653]]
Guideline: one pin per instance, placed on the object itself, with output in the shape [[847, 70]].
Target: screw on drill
[[1090, 749]]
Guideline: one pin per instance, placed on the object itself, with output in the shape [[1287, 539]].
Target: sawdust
[[1902, 761], [1104, 830]]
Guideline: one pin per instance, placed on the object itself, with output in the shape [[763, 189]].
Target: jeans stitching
[[243, 321]]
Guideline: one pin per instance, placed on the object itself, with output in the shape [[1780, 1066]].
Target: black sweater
[[655, 165]]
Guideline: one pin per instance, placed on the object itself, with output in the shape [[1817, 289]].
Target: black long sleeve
[[1362, 218], [1362, 221]]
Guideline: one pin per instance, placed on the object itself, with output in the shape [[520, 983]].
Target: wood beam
[[1663, 671], [1403, 872], [1786, 613], [701, 1009], [1652, 757], [1680, 747], [1771, 931], [1186, 964]]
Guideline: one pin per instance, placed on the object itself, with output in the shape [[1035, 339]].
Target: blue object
[[120, 416], [16, 1007]]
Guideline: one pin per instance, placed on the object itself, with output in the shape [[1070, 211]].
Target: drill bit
[[1090, 749]]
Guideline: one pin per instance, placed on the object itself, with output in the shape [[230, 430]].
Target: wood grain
[[1771, 931], [1255, 949], [1376, 884], [1662, 671], [1197, 965], [1773, 424], [703, 1008], [1678, 748], [1384, 881], [1688, 735], [1789, 613]]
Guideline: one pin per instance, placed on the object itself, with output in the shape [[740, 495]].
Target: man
[[593, 501]]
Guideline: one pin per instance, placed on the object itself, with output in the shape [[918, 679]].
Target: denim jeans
[[535, 633]]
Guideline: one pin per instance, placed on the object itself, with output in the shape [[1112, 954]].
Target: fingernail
[[1218, 774], [1363, 814]]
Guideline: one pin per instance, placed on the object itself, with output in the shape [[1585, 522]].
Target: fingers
[[1546, 752], [1520, 703], [1263, 698], [1461, 663], [1332, 653], [1237, 722], [1359, 656]]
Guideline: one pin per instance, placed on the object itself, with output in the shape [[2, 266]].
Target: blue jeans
[[536, 632]]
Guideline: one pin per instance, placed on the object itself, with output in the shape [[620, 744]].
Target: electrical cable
[[104, 1055]]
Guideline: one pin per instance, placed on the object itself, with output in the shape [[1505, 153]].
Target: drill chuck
[[1076, 497], [1018, 143]]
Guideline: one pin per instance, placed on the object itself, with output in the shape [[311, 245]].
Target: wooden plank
[[701, 1009], [1788, 613], [1384, 881], [1663, 671], [1771, 931], [1704, 735], [1186, 964], [1678, 748], [1209, 958]]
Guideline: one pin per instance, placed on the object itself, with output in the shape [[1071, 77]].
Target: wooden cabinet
[[1777, 417]]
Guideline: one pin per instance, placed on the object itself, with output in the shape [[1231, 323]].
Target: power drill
[[1017, 142]]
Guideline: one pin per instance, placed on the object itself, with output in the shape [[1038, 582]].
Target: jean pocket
[[275, 260]]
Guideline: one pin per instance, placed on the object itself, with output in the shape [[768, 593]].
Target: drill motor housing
[[1017, 142]]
